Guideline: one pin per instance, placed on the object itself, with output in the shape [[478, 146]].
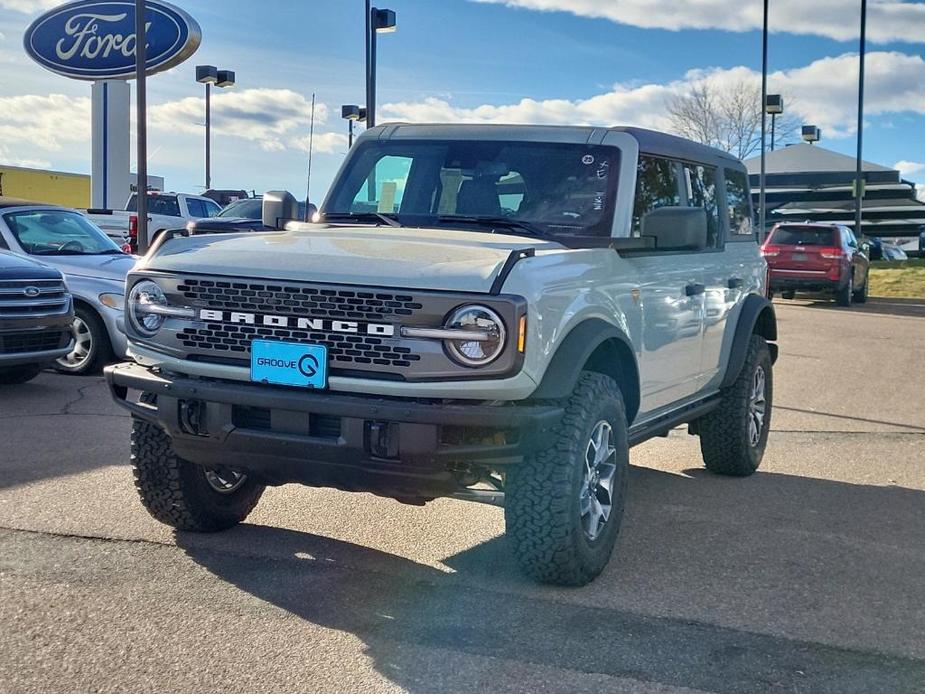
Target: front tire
[[182, 494], [92, 348], [734, 436], [564, 505]]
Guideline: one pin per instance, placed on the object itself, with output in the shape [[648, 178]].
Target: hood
[[18, 267], [441, 259], [106, 267]]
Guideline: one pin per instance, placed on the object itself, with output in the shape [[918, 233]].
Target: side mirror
[[676, 228], [279, 207]]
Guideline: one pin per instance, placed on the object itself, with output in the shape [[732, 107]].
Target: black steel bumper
[[392, 446]]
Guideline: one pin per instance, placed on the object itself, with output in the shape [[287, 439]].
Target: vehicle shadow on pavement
[[885, 306], [718, 584]]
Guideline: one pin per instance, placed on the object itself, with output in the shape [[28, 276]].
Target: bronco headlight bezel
[[148, 308], [487, 340]]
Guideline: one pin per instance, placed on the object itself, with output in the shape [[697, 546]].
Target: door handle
[[694, 289], [735, 283]]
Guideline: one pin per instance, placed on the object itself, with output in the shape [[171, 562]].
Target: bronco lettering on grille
[[270, 321]]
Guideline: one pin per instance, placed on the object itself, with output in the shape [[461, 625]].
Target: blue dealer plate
[[289, 364]]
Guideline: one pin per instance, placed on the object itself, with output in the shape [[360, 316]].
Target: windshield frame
[[340, 199], [85, 225]]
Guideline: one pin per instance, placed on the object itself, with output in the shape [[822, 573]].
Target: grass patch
[[905, 279]]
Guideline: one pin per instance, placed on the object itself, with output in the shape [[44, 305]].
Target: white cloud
[[324, 143], [270, 117], [28, 6], [823, 92], [30, 122], [909, 168], [11, 160], [888, 20]]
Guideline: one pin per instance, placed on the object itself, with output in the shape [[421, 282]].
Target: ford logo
[[31, 292], [95, 40]]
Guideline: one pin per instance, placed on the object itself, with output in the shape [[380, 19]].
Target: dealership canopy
[[809, 183]]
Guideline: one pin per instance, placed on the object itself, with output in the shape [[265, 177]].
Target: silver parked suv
[[489, 313]]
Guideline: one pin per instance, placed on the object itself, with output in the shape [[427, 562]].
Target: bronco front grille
[[347, 350], [360, 326], [282, 299]]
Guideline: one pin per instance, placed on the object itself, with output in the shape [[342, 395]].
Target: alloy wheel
[[757, 406], [77, 358], [225, 481], [596, 495]]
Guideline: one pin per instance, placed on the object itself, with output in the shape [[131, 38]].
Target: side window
[[656, 186], [385, 188], [701, 192], [212, 208], [739, 204], [196, 208]]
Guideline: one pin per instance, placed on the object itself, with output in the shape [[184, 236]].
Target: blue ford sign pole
[[142, 127], [107, 42]]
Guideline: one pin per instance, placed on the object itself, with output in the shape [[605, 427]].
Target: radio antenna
[[311, 143]]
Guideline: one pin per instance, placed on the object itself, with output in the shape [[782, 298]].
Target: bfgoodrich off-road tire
[[734, 436], [557, 525], [176, 492]]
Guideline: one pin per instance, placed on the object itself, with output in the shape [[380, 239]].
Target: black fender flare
[[756, 317], [574, 354]]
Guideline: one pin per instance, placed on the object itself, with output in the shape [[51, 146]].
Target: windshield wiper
[[364, 217], [509, 223]]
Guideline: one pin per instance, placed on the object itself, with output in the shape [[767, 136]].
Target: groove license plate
[[289, 364]]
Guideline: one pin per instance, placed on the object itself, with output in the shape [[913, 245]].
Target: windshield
[[538, 189], [248, 208], [58, 232]]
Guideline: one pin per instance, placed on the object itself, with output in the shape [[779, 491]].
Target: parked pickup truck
[[36, 313], [165, 211], [491, 313]]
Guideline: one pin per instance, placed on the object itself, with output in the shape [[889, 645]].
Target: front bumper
[[396, 447]]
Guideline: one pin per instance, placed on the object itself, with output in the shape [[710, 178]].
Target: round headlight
[[143, 296], [487, 335]]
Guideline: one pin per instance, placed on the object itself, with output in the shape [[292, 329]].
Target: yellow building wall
[[68, 189]]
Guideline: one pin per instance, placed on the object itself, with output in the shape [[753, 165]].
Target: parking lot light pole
[[141, 165], [764, 124], [209, 75], [859, 174], [774, 105], [378, 21], [352, 113]]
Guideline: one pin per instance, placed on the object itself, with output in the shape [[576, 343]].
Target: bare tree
[[727, 117]]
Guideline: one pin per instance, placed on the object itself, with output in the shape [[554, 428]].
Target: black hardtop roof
[[650, 141]]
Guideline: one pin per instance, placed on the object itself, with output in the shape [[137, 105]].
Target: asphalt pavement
[[805, 577]]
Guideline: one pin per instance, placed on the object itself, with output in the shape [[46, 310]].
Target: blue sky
[[558, 61]]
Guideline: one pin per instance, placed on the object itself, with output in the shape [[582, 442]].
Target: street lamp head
[[206, 74], [225, 78], [811, 133], [350, 112], [774, 104], [384, 21]]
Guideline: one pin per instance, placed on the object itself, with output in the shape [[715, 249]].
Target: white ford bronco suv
[[491, 313]]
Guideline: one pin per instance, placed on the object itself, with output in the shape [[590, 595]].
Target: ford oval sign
[[95, 39]]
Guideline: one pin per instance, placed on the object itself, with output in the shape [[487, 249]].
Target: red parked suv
[[816, 258]]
